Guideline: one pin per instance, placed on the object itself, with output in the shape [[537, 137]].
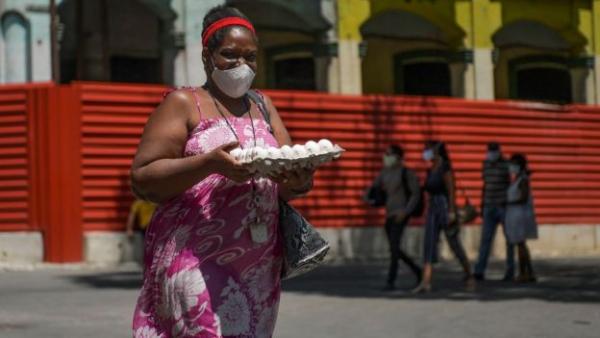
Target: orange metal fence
[[65, 153], [14, 161], [562, 143], [113, 117]]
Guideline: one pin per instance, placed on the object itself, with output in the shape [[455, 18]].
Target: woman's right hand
[[224, 164]]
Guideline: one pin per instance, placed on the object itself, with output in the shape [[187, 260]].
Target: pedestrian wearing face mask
[[213, 257], [521, 223], [441, 214], [493, 207], [403, 195]]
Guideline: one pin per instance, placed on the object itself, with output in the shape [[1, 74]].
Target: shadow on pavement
[[560, 280], [110, 280]]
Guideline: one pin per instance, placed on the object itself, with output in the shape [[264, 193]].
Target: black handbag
[[468, 213], [376, 196], [304, 248], [464, 215]]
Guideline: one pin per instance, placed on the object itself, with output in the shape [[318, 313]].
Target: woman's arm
[[524, 190], [159, 172], [451, 189], [291, 184]]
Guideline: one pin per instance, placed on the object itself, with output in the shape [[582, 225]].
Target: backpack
[[420, 207]]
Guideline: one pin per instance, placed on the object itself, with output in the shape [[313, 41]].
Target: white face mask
[[389, 160], [234, 82], [428, 155], [514, 169]]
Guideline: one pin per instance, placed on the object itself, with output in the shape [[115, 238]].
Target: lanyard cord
[[253, 197], [229, 124]]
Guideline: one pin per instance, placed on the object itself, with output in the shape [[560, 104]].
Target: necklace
[[229, 124], [258, 229]]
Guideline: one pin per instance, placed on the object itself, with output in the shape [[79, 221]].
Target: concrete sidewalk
[[335, 301]]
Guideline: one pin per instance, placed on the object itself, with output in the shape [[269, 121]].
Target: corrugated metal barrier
[[14, 161], [113, 118], [562, 143]]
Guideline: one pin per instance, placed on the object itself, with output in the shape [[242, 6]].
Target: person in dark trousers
[[496, 180], [440, 186], [402, 191]]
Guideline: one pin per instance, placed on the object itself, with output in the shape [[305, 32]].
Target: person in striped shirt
[[496, 180]]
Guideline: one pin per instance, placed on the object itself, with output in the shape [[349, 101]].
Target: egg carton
[[272, 160]]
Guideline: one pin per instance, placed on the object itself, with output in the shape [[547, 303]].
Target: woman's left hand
[[295, 180]]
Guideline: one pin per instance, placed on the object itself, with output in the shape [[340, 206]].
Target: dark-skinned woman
[[521, 224], [213, 256], [440, 186]]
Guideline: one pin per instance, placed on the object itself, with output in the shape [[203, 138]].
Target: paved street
[[335, 301]]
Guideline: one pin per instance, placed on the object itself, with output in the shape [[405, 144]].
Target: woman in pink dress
[[213, 254]]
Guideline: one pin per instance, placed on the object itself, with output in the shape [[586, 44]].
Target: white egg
[[274, 153], [236, 153], [260, 153], [325, 145], [287, 152], [312, 147], [245, 155], [300, 151]]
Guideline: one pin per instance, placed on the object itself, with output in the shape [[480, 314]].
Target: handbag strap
[[259, 100], [464, 192]]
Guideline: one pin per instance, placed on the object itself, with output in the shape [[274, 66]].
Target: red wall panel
[[113, 117], [562, 143], [14, 160]]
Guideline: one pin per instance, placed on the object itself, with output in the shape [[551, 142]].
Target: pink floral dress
[[204, 276]]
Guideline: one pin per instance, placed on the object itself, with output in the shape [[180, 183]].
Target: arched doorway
[[422, 73], [546, 79], [119, 41], [535, 62], [423, 56], [290, 32]]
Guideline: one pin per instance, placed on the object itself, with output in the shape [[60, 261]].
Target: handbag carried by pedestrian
[[465, 214], [376, 196], [304, 248]]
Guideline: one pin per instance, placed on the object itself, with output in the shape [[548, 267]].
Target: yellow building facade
[[540, 50], [481, 49]]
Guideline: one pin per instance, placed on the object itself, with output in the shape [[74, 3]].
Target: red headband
[[230, 21]]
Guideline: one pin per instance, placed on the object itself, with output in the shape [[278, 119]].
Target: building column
[[41, 56], [349, 67], [469, 81], [582, 80], [326, 62], [350, 15], [189, 68], [486, 20], [460, 63], [180, 75], [326, 67], [595, 77], [483, 74]]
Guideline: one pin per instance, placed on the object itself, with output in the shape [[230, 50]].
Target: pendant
[[259, 231]]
